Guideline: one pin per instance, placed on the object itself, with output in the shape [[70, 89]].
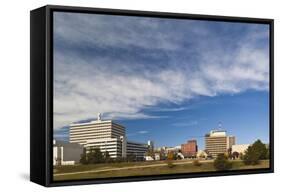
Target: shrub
[[221, 163]]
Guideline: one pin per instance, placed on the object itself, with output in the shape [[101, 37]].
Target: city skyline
[[162, 85], [185, 127]]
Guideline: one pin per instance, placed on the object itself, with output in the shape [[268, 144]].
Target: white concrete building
[[157, 156], [240, 148], [111, 145], [99, 129], [106, 135], [66, 153]]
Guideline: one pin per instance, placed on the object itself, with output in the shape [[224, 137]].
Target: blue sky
[[167, 80]]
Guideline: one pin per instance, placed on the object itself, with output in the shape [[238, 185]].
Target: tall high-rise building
[[106, 135], [189, 149], [217, 142], [99, 129]]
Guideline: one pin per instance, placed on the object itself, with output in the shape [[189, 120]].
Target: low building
[[148, 158], [201, 154], [157, 156], [65, 153], [116, 147], [189, 149], [138, 150], [240, 149]]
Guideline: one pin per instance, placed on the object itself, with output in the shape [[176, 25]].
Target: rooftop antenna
[[220, 125], [99, 116]]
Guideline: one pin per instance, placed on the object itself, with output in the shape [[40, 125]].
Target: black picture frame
[[41, 99]]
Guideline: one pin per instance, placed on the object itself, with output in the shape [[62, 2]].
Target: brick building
[[189, 149]]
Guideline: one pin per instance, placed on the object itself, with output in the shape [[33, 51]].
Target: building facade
[[241, 149], [108, 136], [138, 150], [99, 129], [65, 153], [217, 142], [189, 149], [114, 146]]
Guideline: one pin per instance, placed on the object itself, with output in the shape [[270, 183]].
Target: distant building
[[157, 156], [116, 147], [172, 149], [189, 149], [148, 158], [201, 154], [150, 145], [108, 136], [241, 149], [137, 149], [217, 142], [66, 153]]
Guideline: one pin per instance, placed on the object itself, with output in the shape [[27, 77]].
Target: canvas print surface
[[141, 96]]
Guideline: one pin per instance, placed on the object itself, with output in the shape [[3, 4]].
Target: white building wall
[[240, 148]]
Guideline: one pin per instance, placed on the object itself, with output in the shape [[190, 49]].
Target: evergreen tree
[[255, 152], [221, 163]]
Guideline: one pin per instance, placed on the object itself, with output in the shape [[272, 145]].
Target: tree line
[[95, 156], [254, 153]]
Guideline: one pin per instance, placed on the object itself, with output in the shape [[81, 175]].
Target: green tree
[[83, 159], [221, 163], [267, 153], [94, 155], [257, 151], [107, 158]]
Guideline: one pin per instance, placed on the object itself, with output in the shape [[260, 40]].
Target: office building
[[116, 147], [189, 149], [108, 136], [138, 150], [217, 142], [99, 129]]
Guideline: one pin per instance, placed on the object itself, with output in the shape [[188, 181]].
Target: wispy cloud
[[185, 124], [138, 133], [143, 132], [120, 68], [172, 109]]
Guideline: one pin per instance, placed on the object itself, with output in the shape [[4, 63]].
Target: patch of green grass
[[165, 169], [80, 167]]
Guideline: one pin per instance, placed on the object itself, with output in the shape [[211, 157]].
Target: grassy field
[[139, 169]]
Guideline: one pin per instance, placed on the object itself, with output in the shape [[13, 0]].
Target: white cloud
[[143, 132], [88, 83]]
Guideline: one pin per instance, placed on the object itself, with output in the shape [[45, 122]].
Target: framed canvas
[[123, 95]]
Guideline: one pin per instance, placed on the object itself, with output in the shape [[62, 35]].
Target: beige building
[[240, 148], [217, 142]]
